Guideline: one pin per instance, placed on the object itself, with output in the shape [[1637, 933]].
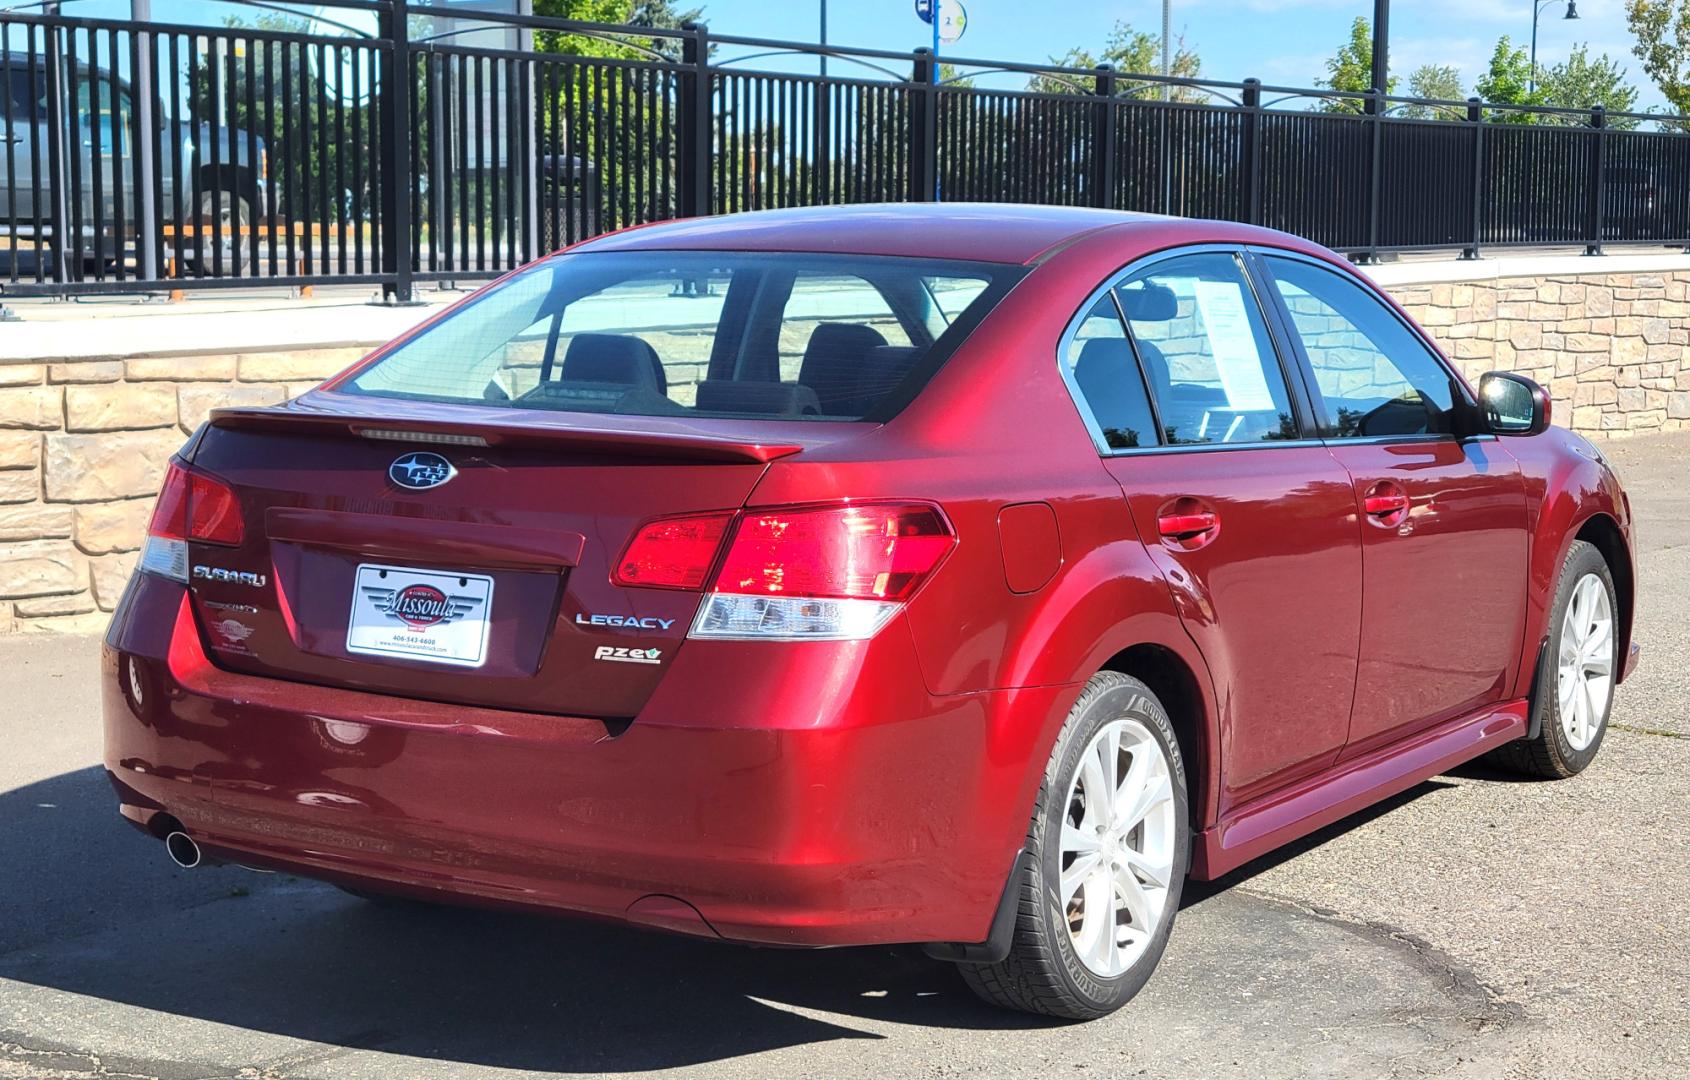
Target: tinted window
[[18, 100], [1372, 372], [1103, 367], [694, 333], [1206, 351]]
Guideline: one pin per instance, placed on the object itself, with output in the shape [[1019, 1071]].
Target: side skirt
[[1273, 820]]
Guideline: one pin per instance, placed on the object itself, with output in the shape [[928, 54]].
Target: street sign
[[924, 11], [953, 20]]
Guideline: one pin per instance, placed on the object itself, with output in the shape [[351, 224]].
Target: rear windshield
[[658, 333]]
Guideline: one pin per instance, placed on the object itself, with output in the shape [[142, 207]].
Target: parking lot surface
[[1475, 926]]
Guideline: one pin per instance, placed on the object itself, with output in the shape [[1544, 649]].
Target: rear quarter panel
[[996, 427]]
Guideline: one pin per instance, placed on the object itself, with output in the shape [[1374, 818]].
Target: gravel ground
[[1473, 927]]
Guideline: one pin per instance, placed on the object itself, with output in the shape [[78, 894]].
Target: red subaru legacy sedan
[[960, 575]]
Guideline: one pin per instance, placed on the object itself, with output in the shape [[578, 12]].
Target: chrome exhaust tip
[[182, 849]]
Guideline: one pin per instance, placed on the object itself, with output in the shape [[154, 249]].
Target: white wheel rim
[[1585, 664], [1117, 849]]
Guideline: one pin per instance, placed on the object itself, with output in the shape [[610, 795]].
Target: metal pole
[[1167, 56], [938, 5], [1531, 79], [824, 40], [146, 143], [1381, 45]]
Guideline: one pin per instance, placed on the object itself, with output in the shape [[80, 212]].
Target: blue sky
[[1279, 41]]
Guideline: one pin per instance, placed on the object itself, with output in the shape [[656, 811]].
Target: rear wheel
[[1109, 845], [1576, 686]]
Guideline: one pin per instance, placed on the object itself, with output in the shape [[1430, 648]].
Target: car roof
[[981, 232]]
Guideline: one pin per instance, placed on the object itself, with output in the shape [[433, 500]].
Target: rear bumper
[[824, 800]]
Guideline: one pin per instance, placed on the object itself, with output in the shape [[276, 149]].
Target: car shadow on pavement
[[96, 910]]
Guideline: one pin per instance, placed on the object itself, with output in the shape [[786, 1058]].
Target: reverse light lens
[[791, 618], [191, 506], [674, 553]]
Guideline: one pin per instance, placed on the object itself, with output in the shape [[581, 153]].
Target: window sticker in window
[[1232, 343]]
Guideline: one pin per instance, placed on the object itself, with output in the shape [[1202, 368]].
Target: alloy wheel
[[1117, 848], [1585, 665]]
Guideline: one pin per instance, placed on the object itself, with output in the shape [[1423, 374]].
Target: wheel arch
[[1602, 532], [1184, 693]]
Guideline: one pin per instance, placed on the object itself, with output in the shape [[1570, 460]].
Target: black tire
[[1551, 755], [1042, 973]]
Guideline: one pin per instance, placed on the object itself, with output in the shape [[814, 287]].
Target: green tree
[[1508, 81], [1662, 29], [601, 11], [1133, 52], [1581, 82], [1439, 82], [1351, 70]]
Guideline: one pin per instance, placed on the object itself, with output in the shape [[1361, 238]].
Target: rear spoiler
[[657, 437]]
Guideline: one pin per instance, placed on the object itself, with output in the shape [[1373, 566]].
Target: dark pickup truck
[[214, 174]]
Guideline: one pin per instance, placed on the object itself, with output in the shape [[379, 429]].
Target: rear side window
[[1375, 377], [1103, 368], [1206, 351], [21, 102], [687, 333]]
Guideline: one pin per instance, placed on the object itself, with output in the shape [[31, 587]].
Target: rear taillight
[[673, 553], [191, 507], [827, 573]]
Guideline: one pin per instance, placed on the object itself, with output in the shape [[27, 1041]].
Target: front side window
[[1373, 374], [1206, 352], [697, 334]]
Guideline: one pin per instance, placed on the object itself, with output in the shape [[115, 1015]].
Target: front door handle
[[1385, 504]]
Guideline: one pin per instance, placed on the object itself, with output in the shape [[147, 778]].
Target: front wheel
[[1576, 685], [224, 221], [1109, 845]]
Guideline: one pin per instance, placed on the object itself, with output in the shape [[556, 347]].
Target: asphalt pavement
[[1476, 926]]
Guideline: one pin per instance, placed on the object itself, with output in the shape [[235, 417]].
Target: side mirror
[[1513, 404]]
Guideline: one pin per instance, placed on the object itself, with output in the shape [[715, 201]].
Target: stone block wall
[[83, 444], [83, 447], [1613, 349]]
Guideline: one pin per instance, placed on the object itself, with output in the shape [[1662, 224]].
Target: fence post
[[1476, 117], [397, 248], [1252, 99], [824, 139], [1598, 182], [1104, 141], [924, 134], [57, 167], [1375, 184], [692, 140], [530, 160]]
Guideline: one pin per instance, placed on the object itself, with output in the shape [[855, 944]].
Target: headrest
[[1149, 303], [613, 358], [1101, 362], [762, 398], [841, 341]]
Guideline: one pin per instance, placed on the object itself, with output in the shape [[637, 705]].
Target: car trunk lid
[[491, 587]]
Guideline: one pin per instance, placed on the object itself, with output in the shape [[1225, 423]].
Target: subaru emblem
[[421, 470]]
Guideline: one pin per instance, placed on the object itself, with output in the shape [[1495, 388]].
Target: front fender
[[1568, 484]]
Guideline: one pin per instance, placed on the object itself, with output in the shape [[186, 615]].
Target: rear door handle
[[1385, 504], [1186, 526]]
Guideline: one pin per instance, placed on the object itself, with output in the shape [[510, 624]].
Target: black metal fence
[[434, 149]]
